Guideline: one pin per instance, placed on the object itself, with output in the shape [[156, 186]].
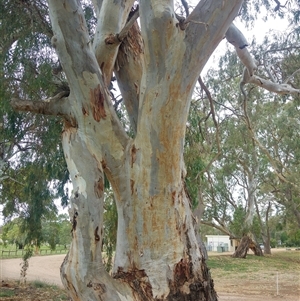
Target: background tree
[[32, 168], [244, 166]]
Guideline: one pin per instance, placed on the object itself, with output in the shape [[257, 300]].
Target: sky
[[258, 32]]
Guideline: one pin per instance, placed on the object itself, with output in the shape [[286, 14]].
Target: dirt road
[[46, 269], [43, 268]]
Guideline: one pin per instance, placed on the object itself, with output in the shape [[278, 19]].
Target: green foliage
[[110, 229], [237, 225], [53, 232], [50, 233], [6, 293], [12, 234]]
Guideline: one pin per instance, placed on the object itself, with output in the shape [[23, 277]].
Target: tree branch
[[186, 7], [237, 39], [111, 20], [124, 32], [291, 76], [212, 224], [128, 70], [212, 110], [200, 42], [271, 86], [57, 105]]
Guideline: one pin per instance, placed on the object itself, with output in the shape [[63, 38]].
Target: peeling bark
[[129, 70]]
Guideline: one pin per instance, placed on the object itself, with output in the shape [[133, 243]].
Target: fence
[[20, 253], [9, 253]]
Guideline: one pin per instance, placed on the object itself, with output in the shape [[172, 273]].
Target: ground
[[239, 280]]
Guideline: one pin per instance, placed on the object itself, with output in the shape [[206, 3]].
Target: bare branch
[[214, 225], [57, 105], [237, 39], [212, 111], [278, 6], [10, 178], [123, 33], [204, 14], [291, 76], [111, 20], [186, 7], [271, 86]]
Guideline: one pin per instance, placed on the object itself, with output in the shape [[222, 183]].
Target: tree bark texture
[[247, 243], [157, 255]]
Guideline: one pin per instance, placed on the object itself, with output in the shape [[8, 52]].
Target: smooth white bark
[[237, 39]]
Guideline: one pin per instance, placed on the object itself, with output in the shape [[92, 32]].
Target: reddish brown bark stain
[[138, 281], [84, 111], [97, 103], [97, 237], [99, 188], [69, 123], [111, 39], [132, 186], [133, 155], [182, 271], [173, 197], [103, 163], [100, 287]]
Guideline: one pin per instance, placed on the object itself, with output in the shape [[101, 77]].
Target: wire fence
[[20, 253]]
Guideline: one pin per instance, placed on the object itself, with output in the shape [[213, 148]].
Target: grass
[[257, 276], [40, 284], [5, 292], [252, 268], [37, 290], [279, 261]]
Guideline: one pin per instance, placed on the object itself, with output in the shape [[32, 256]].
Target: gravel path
[[43, 268]]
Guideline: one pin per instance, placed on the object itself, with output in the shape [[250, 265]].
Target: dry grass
[[34, 291], [258, 275]]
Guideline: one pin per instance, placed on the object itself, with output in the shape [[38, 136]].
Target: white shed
[[215, 241]]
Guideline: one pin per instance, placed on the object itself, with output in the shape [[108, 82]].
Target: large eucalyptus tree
[[156, 66]]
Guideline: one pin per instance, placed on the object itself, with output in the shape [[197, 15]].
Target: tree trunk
[[155, 264], [267, 237], [267, 246], [157, 254], [243, 247], [247, 243]]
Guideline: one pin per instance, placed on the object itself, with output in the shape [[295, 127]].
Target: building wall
[[215, 241]]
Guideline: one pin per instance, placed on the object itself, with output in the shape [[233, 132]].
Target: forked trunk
[[157, 254]]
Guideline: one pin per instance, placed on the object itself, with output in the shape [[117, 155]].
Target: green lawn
[[279, 260]]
